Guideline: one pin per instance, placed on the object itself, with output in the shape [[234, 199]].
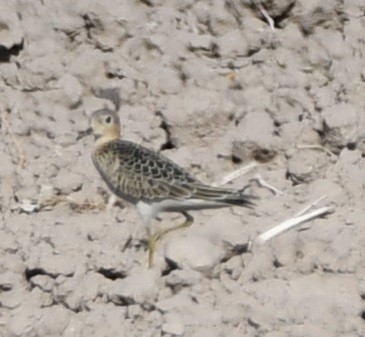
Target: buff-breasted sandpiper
[[150, 181]]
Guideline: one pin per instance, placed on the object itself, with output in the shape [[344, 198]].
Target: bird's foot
[[154, 238]]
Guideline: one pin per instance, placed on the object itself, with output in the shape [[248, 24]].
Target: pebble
[[173, 325], [195, 252], [139, 287]]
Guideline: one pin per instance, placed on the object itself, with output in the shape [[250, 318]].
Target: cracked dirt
[[214, 88]]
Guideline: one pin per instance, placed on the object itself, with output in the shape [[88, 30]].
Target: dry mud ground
[[214, 88]]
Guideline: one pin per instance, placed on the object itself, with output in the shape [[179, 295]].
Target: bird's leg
[[153, 238], [151, 249], [187, 223]]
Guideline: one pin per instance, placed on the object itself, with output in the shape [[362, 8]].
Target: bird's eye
[[108, 120]]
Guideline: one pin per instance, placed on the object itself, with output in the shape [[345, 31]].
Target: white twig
[[263, 183], [291, 223], [235, 174], [316, 147], [265, 14], [312, 205]]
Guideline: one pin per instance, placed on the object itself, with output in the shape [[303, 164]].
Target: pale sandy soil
[[214, 88]]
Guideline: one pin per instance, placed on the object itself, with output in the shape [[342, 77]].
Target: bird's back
[[136, 173]]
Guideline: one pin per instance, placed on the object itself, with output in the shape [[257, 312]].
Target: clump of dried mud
[[211, 85]]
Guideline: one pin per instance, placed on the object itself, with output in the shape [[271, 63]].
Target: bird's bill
[[84, 133]]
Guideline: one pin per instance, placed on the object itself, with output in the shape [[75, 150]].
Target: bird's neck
[[106, 138]]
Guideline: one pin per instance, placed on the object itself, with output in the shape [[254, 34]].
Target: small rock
[[203, 42], [46, 191], [233, 43], [72, 90], [8, 243], [340, 115], [173, 325], [90, 285], [39, 72], [233, 267], [361, 145], [134, 311], [307, 165], [176, 301], [157, 41], [75, 327], [86, 65], [255, 138], [53, 322], [13, 263], [8, 281], [23, 321], [76, 291], [73, 301], [195, 252], [332, 41], [43, 299], [154, 316], [315, 13], [11, 34], [28, 206], [164, 80], [348, 157], [182, 278], [53, 265], [12, 299], [9, 74], [350, 171], [44, 282], [232, 315], [340, 126], [245, 151], [137, 288]]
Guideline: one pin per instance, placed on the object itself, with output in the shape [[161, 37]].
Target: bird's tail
[[225, 195]]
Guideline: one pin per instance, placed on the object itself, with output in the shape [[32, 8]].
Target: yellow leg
[[151, 249], [188, 222], [152, 239]]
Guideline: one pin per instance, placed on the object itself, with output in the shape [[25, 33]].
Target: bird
[[151, 181]]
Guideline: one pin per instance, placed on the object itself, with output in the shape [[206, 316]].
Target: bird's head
[[105, 125]]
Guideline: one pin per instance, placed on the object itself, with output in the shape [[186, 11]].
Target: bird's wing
[[134, 172]]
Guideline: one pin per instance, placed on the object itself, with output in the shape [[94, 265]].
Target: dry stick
[[314, 203], [352, 15], [235, 174], [315, 147], [265, 14], [263, 183], [288, 224], [291, 223], [21, 157]]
